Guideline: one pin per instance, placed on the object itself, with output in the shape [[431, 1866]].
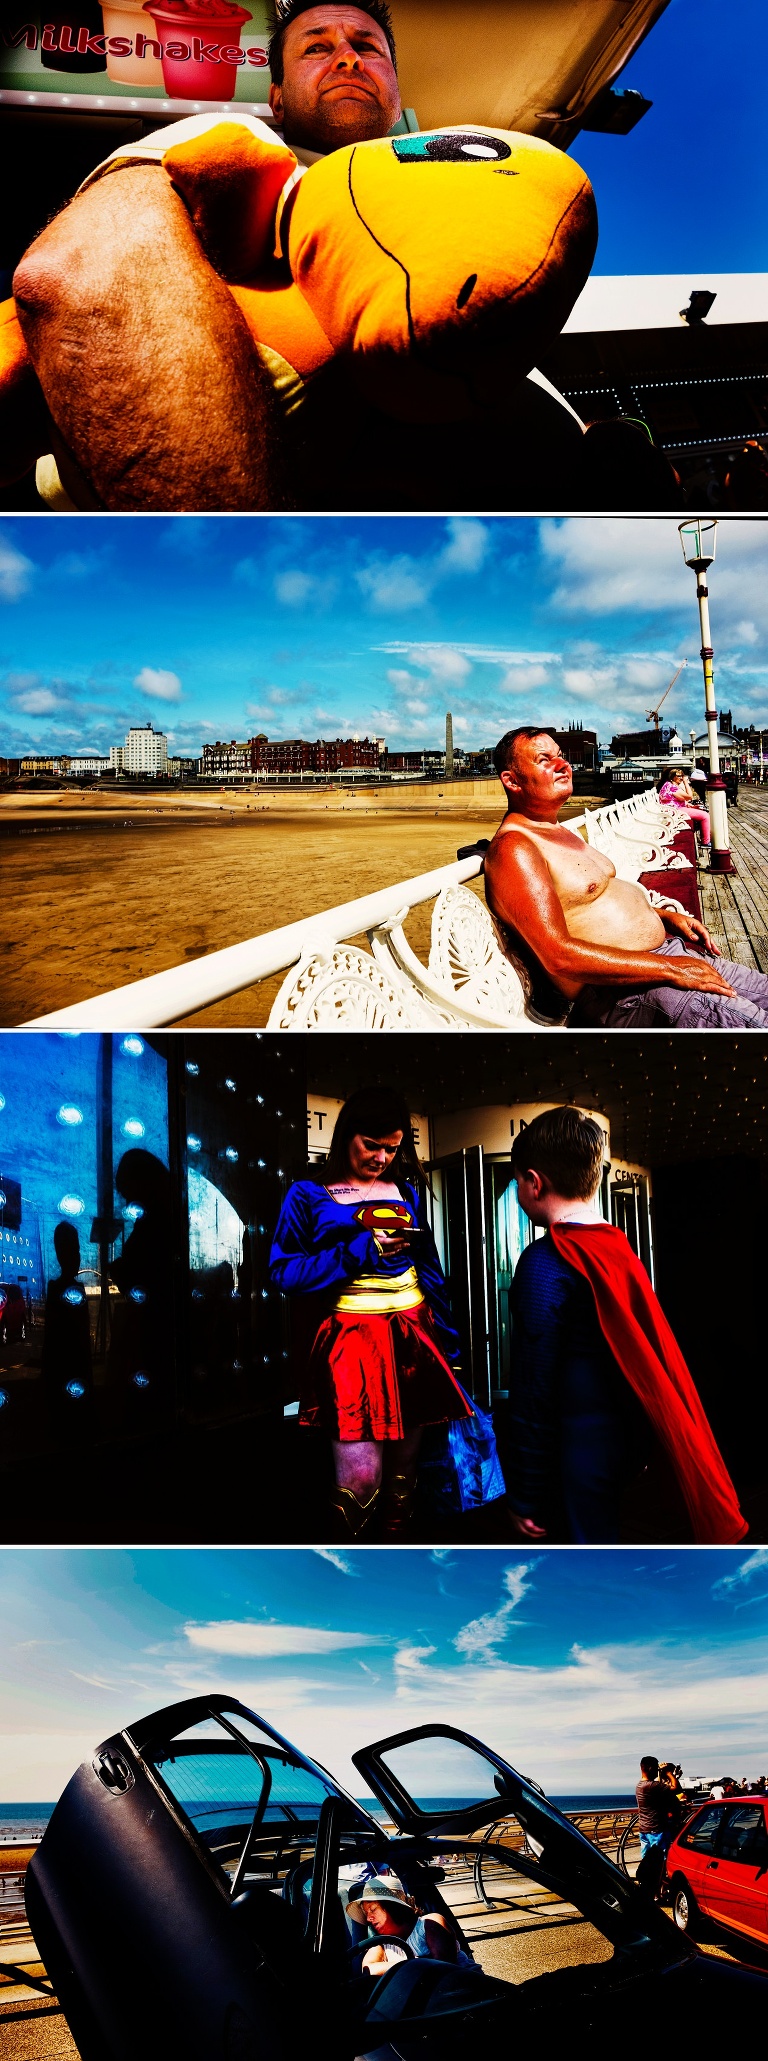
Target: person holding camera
[[659, 1817], [384, 1349]]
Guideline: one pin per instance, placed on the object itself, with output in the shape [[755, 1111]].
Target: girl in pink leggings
[[682, 795]]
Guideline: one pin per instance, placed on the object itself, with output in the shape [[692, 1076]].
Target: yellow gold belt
[[381, 1293]]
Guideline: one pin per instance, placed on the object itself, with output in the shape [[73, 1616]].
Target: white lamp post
[[698, 541]]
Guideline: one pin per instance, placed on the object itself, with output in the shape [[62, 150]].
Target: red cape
[[647, 1352]]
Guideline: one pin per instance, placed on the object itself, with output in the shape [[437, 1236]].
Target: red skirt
[[377, 1377]]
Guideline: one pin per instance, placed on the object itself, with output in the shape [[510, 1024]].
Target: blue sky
[[689, 187], [217, 627], [571, 1664]]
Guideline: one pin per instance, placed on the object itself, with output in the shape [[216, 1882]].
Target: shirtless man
[[597, 938]]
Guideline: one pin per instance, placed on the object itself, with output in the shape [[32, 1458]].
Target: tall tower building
[[449, 747]]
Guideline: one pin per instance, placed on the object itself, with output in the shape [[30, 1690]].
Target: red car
[[717, 1867], [13, 1313]]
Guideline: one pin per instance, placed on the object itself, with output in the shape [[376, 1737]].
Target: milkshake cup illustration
[[128, 19], [201, 43]]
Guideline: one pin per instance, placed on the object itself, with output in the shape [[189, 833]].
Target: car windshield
[[233, 1788]]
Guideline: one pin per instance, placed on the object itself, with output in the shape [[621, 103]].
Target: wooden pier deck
[[735, 905]]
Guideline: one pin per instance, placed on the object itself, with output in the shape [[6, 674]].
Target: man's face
[[539, 777], [339, 82]]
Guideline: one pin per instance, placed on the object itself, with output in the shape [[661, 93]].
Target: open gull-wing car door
[[170, 1855], [435, 1778]]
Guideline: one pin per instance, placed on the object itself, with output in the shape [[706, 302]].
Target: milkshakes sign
[[190, 50]]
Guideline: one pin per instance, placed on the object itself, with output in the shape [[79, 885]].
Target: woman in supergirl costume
[[382, 1361]]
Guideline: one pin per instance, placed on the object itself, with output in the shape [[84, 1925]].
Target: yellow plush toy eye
[[445, 288]]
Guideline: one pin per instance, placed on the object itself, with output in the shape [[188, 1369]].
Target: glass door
[[630, 1206], [465, 1249]]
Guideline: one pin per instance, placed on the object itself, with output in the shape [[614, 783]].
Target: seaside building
[[184, 768], [39, 764], [86, 765], [225, 761], [295, 755], [641, 744], [145, 752], [578, 746]]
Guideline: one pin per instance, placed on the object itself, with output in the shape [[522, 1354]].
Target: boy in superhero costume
[[594, 1361]]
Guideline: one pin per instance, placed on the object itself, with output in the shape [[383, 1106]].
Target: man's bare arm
[[521, 893], [144, 359]]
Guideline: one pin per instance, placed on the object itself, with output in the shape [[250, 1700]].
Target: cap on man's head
[[382, 1889]]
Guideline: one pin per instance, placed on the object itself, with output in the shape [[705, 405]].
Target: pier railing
[[613, 1829], [469, 982]]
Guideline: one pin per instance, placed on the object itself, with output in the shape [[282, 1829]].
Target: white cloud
[[293, 588], [38, 701], [747, 632], [606, 565], [479, 1638], [247, 1640], [405, 582], [755, 1563], [340, 1561], [16, 572], [445, 663], [480, 654], [394, 583], [159, 684], [467, 547], [584, 1722], [524, 679]]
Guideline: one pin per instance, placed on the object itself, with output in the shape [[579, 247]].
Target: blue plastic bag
[[459, 1467]]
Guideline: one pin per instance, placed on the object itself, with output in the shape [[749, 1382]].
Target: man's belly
[[620, 916]]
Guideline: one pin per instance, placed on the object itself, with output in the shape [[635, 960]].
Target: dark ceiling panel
[[668, 1098]]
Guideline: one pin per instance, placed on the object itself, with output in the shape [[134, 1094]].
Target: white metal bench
[[468, 984]]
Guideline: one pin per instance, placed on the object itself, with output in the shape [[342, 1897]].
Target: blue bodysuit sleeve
[[540, 1297], [312, 1250]]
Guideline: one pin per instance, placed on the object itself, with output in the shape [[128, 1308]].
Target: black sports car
[[194, 1897]]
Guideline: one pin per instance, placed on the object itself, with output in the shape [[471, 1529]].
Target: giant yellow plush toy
[[434, 268]]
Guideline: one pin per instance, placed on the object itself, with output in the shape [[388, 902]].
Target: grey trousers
[[665, 1008]]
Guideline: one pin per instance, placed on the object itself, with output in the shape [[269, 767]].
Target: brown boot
[[399, 1492], [352, 1518]]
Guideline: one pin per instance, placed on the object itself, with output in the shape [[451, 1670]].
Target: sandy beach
[[97, 895]]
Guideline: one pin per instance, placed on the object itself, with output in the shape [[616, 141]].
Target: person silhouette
[[143, 1274], [66, 1358]]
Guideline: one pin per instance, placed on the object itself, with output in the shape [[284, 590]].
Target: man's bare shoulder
[[516, 836]]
